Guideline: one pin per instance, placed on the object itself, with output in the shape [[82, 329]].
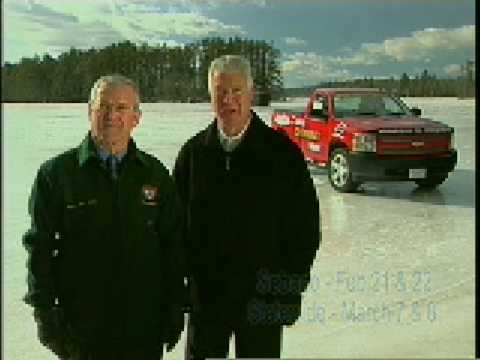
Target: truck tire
[[339, 173], [431, 182]]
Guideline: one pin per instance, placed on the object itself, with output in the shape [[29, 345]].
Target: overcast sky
[[319, 39]]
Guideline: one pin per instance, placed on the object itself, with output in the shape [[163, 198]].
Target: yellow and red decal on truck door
[[307, 134]]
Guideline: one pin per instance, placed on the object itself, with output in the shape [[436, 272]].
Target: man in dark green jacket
[[253, 224], [105, 254]]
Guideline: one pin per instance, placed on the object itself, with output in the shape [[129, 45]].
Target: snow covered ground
[[394, 276]]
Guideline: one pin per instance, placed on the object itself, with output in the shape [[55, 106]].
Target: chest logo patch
[[150, 194]]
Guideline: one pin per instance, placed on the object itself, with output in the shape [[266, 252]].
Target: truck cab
[[366, 134]]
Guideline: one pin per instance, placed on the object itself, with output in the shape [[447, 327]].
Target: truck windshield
[[368, 105]]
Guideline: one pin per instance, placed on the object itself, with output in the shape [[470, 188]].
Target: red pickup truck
[[366, 134]]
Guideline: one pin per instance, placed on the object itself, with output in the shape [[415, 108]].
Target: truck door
[[315, 131]]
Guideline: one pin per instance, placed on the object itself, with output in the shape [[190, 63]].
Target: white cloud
[[187, 3], [97, 34], [310, 68], [42, 14], [51, 26], [420, 45], [181, 6], [183, 24], [294, 41], [369, 54], [453, 70]]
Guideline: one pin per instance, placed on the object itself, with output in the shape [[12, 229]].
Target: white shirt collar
[[229, 143]]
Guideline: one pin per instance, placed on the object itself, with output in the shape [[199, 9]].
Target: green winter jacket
[[108, 252]]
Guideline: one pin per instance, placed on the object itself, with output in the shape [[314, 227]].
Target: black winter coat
[[253, 225], [109, 252]]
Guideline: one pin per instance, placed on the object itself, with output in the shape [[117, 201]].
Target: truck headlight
[[451, 145], [364, 142]]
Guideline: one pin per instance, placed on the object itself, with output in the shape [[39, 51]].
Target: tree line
[[180, 73], [419, 85], [162, 73]]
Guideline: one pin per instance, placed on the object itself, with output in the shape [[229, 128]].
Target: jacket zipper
[[119, 235], [227, 162]]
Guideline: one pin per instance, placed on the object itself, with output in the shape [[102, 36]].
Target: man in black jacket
[[105, 264], [253, 224]]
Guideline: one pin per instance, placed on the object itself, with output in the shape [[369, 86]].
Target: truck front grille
[[412, 144]]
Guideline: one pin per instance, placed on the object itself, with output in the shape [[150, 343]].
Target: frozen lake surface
[[394, 277]]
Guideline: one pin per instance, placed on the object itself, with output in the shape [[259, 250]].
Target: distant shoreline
[[206, 102]]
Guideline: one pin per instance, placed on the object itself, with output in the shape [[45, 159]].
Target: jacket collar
[[88, 151], [253, 136]]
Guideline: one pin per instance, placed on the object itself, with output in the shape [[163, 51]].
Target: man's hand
[[51, 329], [175, 326]]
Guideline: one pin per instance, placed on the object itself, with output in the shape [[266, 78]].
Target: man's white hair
[[111, 81], [230, 64]]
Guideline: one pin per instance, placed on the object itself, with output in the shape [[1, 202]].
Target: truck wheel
[[431, 181], [339, 171]]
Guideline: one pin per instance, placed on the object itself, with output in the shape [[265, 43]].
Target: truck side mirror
[[416, 111]]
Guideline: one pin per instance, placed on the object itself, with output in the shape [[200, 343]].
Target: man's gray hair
[[111, 81], [230, 64]]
